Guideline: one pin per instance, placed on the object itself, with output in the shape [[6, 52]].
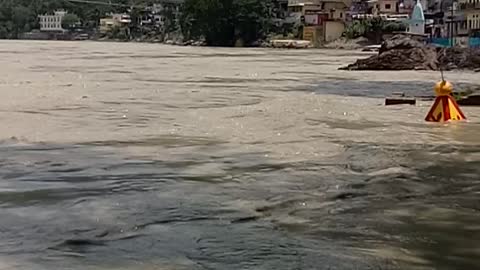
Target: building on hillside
[[337, 9], [122, 19], [387, 6], [471, 12], [114, 20], [455, 23], [52, 22], [434, 12], [106, 24], [324, 20]]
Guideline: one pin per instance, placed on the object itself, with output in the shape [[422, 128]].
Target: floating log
[[399, 100]]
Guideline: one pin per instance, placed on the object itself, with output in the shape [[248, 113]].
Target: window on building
[[388, 6], [341, 15]]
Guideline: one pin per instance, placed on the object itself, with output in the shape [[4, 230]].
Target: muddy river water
[[143, 156]]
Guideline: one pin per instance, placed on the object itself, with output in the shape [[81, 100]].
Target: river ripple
[[138, 156]]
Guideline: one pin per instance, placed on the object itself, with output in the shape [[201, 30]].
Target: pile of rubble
[[404, 53]]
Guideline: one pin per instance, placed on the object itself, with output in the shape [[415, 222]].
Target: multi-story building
[[471, 12], [324, 20], [454, 20], [52, 22], [114, 20], [336, 9]]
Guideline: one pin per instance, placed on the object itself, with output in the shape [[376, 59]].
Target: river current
[[144, 156]]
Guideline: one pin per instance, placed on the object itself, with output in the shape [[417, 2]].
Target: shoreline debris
[[404, 53]]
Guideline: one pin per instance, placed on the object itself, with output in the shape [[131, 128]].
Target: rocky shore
[[404, 53]]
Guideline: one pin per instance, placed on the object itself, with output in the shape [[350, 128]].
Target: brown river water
[[144, 156]]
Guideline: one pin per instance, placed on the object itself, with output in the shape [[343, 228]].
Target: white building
[[52, 22], [416, 24]]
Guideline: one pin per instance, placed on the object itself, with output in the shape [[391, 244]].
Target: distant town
[[317, 21]]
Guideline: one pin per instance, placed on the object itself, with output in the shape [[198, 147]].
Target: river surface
[[143, 156]]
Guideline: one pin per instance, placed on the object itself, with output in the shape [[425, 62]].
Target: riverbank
[[176, 38], [404, 53]]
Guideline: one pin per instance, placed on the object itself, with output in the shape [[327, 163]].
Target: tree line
[[218, 22], [227, 22], [19, 16]]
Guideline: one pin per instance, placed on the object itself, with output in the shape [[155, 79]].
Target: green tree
[[170, 24], [14, 19], [373, 29], [70, 21], [355, 29], [395, 27], [224, 22]]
